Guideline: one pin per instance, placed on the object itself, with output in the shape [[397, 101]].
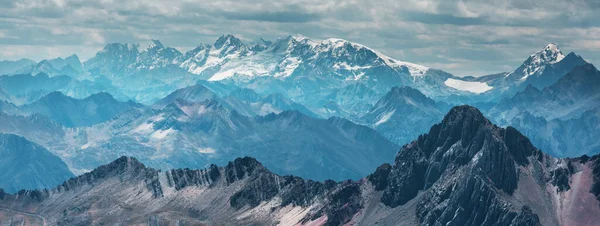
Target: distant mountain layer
[[195, 134], [26, 88], [404, 113], [12, 67], [557, 117], [465, 171], [73, 112], [25, 165]]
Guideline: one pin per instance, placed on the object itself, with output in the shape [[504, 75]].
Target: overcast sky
[[468, 37]]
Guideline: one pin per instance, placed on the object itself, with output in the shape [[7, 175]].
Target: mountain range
[[464, 171], [319, 109]]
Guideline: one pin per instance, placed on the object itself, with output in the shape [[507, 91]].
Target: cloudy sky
[[464, 37]]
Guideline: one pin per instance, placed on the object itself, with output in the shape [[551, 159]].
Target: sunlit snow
[[474, 87]]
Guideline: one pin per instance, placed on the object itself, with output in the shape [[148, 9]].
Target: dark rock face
[[344, 203], [560, 178], [461, 164], [380, 176], [526, 217], [596, 177]]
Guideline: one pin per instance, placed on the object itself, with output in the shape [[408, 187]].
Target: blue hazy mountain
[[73, 112], [557, 117], [572, 95], [195, 134], [26, 165], [199, 93], [113, 60], [463, 171], [403, 113], [271, 103], [27, 88], [13, 67], [70, 66]]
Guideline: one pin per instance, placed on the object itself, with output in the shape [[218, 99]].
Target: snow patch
[[206, 150], [473, 87], [161, 134], [385, 117], [288, 65]]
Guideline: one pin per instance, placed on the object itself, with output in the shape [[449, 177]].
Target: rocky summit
[[464, 171]]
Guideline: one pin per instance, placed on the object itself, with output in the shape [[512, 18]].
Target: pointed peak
[[294, 115], [228, 40], [461, 115], [116, 167], [157, 44], [121, 47], [73, 57], [298, 38], [404, 89], [550, 54], [552, 47], [265, 42]]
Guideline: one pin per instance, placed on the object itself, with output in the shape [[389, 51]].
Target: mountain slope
[[545, 67], [272, 103], [27, 88], [188, 134], [73, 112], [563, 138], [308, 71], [25, 165], [13, 67], [200, 93], [404, 113], [550, 115], [572, 95], [465, 171]]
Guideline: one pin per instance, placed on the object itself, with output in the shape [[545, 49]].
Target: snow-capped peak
[[551, 54], [299, 37], [290, 41], [337, 43], [228, 40]]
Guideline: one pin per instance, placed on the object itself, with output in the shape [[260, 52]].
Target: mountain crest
[[120, 47], [122, 167], [537, 62], [551, 53], [156, 44], [228, 40]]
